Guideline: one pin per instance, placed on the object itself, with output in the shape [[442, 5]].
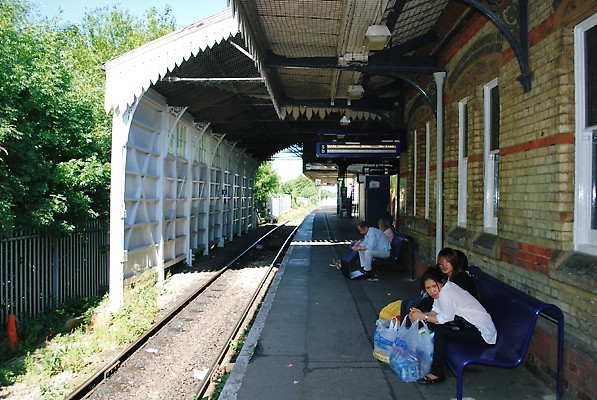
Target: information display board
[[389, 149]]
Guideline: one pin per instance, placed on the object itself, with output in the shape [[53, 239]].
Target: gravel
[[173, 363]]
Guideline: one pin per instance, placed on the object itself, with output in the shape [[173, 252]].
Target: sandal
[[426, 380]]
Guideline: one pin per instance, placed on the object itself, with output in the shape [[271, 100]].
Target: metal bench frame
[[515, 315], [395, 251]]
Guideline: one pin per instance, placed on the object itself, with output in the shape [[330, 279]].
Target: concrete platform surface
[[313, 337]]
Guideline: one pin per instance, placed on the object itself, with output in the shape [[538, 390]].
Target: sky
[[185, 11], [287, 165]]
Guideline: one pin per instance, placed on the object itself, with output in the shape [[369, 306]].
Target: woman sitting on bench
[[386, 227], [457, 315], [454, 264]]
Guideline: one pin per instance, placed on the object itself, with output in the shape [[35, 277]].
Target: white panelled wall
[[177, 189]]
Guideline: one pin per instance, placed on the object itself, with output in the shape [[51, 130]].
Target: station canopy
[[292, 73]]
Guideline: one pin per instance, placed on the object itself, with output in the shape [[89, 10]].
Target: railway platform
[[313, 336]]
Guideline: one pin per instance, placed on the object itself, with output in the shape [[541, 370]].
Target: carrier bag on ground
[[392, 310], [413, 353], [384, 338]]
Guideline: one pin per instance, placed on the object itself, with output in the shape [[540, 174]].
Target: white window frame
[[427, 167], [462, 163], [585, 238], [490, 163], [415, 174]]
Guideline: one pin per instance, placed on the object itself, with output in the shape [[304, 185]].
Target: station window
[[427, 168], [585, 207], [462, 161], [491, 109]]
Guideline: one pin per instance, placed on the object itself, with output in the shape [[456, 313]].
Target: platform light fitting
[[353, 58], [377, 37], [344, 121], [355, 92]]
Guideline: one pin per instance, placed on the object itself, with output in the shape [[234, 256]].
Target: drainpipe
[[439, 211]]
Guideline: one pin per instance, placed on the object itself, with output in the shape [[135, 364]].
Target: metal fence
[[39, 272], [279, 204]]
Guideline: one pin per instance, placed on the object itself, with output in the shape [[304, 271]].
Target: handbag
[[458, 324], [413, 353]]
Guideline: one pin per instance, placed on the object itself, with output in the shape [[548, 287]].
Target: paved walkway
[[313, 337]]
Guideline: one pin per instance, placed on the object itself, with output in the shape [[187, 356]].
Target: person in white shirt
[[457, 315], [375, 244]]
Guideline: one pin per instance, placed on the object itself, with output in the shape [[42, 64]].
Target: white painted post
[[439, 227], [121, 122]]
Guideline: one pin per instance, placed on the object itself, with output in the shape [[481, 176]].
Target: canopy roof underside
[[271, 74]]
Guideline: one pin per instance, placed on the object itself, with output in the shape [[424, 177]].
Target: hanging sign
[[390, 149]]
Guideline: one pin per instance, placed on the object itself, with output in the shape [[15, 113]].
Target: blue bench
[[515, 315], [395, 250]]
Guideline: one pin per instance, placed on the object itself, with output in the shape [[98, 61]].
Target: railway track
[[178, 357]]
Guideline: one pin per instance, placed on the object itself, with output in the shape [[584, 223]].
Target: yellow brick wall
[[537, 155]]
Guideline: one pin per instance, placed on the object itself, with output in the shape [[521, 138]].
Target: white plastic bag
[[384, 338], [413, 353]]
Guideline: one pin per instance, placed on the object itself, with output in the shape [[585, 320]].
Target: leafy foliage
[[43, 351], [305, 188], [54, 134], [267, 182]]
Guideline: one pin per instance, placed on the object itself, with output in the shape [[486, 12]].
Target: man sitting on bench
[[375, 244]]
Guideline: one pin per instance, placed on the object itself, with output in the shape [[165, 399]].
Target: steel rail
[[244, 318], [88, 386]]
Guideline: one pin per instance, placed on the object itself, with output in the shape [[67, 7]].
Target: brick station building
[[519, 172], [515, 187]]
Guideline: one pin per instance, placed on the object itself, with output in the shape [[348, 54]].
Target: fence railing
[[38, 272]]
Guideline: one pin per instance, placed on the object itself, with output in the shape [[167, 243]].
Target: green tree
[[267, 182], [54, 133], [303, 187]]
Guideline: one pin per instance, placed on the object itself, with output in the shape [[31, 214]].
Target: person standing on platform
[[375, 244]]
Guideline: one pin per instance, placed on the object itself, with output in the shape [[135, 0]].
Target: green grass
[[296, 215], [44, 350]]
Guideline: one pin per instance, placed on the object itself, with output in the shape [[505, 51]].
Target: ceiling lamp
[[344, 121], [353, 58], [377, 37], [355, 92]]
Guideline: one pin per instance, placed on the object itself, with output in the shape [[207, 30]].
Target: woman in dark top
[[454, 264]]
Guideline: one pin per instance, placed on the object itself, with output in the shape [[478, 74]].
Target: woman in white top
[[451, 302]]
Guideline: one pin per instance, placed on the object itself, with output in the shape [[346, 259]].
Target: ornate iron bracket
[[511, 18], [175, 113], [430, 99]]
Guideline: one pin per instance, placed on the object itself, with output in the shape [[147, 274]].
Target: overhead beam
[[393, 65], [394, 14]]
